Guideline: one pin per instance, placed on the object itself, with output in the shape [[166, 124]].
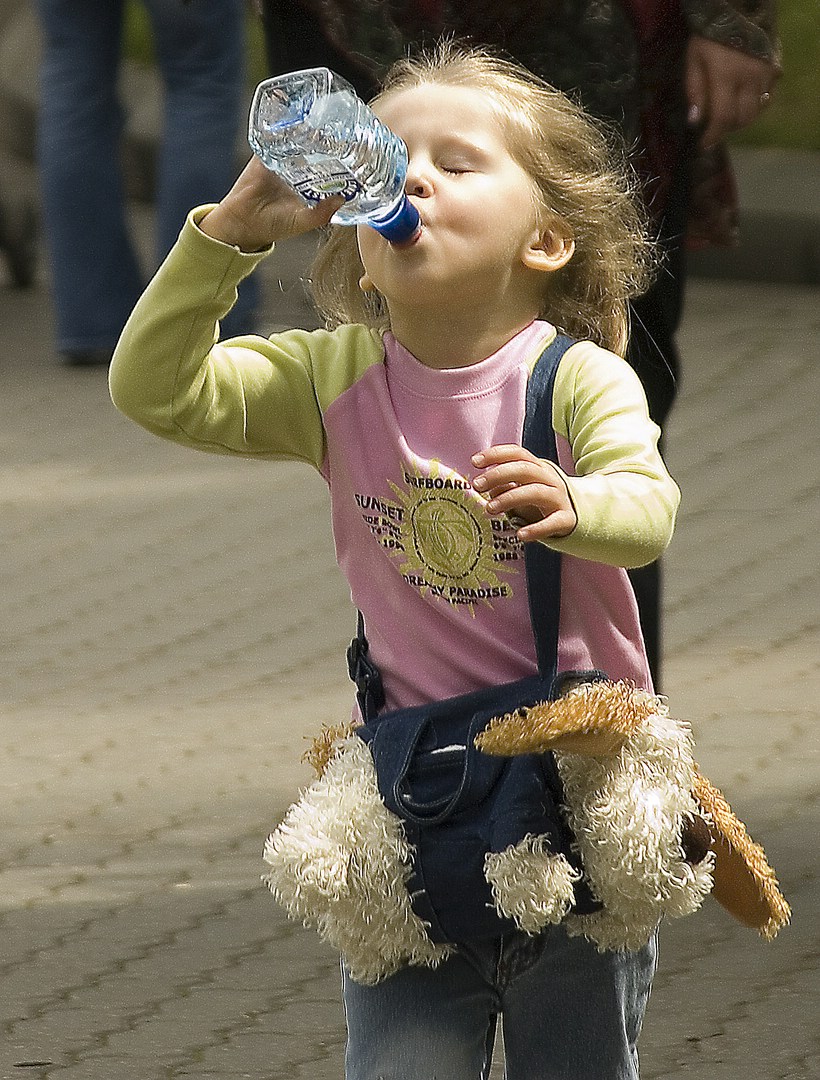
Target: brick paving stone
[[174, 631]]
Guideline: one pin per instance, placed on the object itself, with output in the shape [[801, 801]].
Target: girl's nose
[[417, 181]]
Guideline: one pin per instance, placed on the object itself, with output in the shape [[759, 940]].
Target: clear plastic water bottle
[[312, 129]]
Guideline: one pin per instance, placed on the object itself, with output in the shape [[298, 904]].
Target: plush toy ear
[[596, 719], [593, 718], [745, 884], [324, 746]]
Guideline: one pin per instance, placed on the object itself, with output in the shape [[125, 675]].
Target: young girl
[[411, 407]]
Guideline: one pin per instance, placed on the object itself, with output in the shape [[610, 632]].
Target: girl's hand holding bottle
[[530, 491], [261, 209]]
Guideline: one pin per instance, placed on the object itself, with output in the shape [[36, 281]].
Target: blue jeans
[[569, 1012], [95, 272]]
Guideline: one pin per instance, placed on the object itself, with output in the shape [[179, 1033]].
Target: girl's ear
[[549, 250]]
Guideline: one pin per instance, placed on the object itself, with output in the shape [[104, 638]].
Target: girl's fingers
[[496, 455], [493, 493], [530, 491], [561, 523], [517, 498], [515, 473]]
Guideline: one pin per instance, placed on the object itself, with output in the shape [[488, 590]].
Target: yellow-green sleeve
[[254, 396], [625, 499]]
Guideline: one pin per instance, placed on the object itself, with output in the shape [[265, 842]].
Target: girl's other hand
[[261, 209], [527, 489]]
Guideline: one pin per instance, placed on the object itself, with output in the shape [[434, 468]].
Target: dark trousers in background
[[653, 353]]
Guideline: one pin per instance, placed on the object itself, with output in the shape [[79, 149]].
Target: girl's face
[[480, 245]]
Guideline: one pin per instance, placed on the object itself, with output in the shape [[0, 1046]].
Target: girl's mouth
[[414, 239]]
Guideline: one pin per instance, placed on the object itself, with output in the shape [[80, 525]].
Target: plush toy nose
[[696, 840]]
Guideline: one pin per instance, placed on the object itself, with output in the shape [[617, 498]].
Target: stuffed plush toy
[[340, 863], [654, 837]]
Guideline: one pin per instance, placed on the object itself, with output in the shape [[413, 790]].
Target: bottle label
[[324, 179]]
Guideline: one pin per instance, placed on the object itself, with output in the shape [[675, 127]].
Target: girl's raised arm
[[172, 375]]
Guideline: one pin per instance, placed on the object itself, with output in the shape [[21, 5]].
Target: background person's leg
[[653, 353], [95, 276], [201, 50]]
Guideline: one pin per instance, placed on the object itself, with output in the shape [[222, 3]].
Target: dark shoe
[[18, 242], [87, 357]]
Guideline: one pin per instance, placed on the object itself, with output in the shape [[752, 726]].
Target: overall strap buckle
[[365, 674]]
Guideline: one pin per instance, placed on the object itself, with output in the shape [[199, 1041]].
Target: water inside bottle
[[312, 129], [298, 130]]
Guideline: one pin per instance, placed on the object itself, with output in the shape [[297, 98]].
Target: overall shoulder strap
[[539, 434], [543, 566]]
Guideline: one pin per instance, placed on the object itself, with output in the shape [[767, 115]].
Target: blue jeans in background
[[201, 52], [568, 1012]]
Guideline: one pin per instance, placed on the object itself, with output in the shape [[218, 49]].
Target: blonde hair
[[585, 188]]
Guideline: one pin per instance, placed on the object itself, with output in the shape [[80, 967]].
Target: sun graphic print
[[449, 545]]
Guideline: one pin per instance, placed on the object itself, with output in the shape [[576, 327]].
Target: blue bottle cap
[[401, 224]]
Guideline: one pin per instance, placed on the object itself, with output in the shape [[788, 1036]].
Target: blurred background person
[[18, 237], [96, 277], [672, 77]]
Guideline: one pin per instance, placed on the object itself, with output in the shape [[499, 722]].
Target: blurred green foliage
[[138, 43], [792, 120]]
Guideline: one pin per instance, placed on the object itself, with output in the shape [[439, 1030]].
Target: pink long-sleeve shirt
[[440, 583]]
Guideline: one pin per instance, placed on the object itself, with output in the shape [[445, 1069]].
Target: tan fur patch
[[593, 718], [745, 883]]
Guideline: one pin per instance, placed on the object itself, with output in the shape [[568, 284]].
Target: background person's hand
[[726, 89], [527, 489], [261, 209]]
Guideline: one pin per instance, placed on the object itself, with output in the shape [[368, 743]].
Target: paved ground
[[172, 630]]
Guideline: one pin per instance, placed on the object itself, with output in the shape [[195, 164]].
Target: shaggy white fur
[[627, 812], [340, 862], [530, 883]]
